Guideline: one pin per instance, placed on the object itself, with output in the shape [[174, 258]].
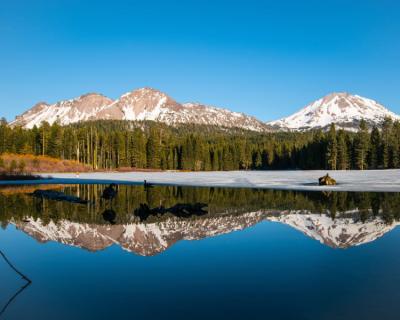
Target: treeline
[[120, 144]]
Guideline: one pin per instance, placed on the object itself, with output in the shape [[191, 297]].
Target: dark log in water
[[58, 196]]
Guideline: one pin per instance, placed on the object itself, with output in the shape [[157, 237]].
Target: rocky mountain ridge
[[141, 104]]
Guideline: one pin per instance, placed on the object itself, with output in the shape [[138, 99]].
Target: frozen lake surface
[[371, 180]]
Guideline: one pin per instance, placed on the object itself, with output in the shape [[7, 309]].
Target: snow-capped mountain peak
[[64, 112], [343, 109], [146, 104], [141, 104]]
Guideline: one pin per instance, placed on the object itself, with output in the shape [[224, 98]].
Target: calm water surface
[[199, 253]]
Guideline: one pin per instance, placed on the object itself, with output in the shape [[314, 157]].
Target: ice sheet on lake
[[371, 180]]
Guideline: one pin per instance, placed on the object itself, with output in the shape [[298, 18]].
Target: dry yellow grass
[[42, 164]]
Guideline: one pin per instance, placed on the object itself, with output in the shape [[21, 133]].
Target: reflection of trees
[[109, 215], [219, 201], [180, 210], [15, 295]]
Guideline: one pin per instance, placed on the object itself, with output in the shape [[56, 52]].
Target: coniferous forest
[[121, 144]]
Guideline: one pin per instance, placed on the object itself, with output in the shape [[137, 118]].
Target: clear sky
[[264, 58]]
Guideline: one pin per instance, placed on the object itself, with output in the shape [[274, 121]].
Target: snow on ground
[[371, 180]]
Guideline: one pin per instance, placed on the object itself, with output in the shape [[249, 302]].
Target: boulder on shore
[[326, 180]]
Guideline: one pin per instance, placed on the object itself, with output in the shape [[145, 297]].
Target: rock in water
[[326, 181]]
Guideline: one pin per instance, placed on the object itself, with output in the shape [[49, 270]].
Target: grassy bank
[[20, 165]]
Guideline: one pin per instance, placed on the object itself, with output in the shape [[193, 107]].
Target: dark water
[[199, 253]]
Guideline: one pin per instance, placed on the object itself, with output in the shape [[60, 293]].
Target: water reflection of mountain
[[339, 220], [142, 238]]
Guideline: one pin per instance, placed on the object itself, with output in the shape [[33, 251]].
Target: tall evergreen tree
[[395, 145], [342, 157], [375, 148], [332, 149], [152, 150], [386, 139], [361, 145]]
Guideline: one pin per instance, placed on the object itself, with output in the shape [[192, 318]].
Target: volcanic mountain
[[343, 109], [141, 104]]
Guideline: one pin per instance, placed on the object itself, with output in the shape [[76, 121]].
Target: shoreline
[[351, 180]]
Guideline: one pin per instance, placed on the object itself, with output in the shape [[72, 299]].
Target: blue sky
[[264, 58]]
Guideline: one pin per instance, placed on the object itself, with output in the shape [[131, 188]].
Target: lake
[[198, 253]]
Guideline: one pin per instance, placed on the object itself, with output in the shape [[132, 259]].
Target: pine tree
[[257, 161], [152, 150], [54, 141], [396, 145], [44, 137], [375, 147], [342, 157], [332, 152], [361, 145], [386, 139], [138, 149]]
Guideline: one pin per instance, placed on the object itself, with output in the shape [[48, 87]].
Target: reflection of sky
[[269, 269]]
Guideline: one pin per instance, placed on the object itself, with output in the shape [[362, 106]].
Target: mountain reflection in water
[[148, 221]]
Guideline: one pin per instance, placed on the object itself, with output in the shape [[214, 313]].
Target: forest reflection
[[16, 203]]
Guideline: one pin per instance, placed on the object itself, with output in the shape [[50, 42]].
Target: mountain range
[[344, 109], [141, 104]]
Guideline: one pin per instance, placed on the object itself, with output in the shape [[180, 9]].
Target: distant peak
[[333, 95], [339, 94], [41, 103], [148, 89], [342, 108], [145, 91], [91, 94]]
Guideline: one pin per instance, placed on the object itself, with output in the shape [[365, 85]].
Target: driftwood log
[[57, 196]]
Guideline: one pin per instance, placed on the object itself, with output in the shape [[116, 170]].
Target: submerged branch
[[14, 268], [28, 283]]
